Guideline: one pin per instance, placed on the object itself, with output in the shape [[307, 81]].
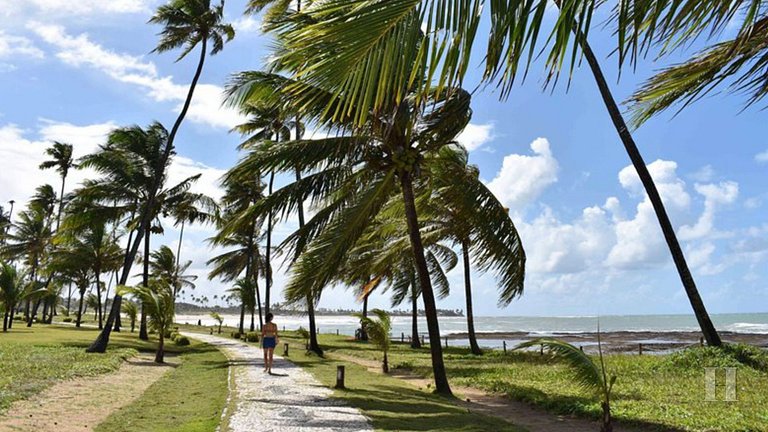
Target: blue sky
[[73, 71]]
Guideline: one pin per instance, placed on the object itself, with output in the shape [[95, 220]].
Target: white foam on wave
[[747, 328]]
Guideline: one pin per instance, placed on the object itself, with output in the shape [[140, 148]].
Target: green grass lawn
[[189, 398], [667, 392]]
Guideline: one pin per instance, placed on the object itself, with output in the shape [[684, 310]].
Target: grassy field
[[189, 398], [664, 392], [390, 403]]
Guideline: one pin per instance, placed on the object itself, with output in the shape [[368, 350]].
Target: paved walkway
[[289, 400]]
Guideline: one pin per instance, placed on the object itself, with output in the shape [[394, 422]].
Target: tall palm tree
[[463, 211], [63, 161], [352, 178], [186, 23], [354, 49], [192, 208]]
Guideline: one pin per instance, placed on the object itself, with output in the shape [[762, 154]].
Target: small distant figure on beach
[[269, 341]]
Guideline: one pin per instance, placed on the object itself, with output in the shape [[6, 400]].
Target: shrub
[[67, 320], [181, 340], [18, 318], [167, 335], [174, 335], [252, 337], [749, 355], [235, 335]]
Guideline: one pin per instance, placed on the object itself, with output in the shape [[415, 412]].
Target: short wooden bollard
[[446, 341], [402, 337], [581, 348], [701, 341], [283, 328], [422, 340], [541, 350], [640, 349], [504, 344], [337, 332], [285, 350], [340, 377]]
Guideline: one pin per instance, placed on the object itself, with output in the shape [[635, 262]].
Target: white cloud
[[475, 136], [715, 195], [61, 8], [18, 46], [639, 241], [80, 51], [762, 157], [523, 178], [247, 24], [703, 174]]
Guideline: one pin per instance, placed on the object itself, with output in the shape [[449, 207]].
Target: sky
[[73, 71]]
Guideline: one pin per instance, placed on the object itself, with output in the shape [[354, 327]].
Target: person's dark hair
[[269, 317]]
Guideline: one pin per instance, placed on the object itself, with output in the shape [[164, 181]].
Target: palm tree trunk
[[242, 318], [268, 252], [69, 297], [143, 334], [80, 308], [385, 364], [100, 344], [250, 274], [258, 301], [10, 317], [314, 346], [34, 313], [430, 308], [363, 333], [253, 323], [61, 202], [473, 346], [415, 341], [178, 260], [98, 297], [707, 328], [160, 355], [6, 315]]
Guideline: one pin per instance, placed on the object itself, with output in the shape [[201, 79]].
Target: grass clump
[[181, 340]]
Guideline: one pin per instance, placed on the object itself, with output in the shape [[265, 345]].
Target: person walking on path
[[269, 341]]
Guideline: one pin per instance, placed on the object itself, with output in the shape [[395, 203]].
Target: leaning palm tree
[[378, 331], [62, 160], [186, 23], [364, 50], [11, 292], [191, 208], [157, 298], [245, 291], [219, 319], [588, 375]]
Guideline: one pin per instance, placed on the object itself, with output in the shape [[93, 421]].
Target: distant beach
[[619, 333]]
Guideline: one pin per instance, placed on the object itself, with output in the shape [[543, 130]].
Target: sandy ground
[[288, 400], [81, 404], [475, 400]]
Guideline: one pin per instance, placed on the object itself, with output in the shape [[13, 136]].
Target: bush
[[235, 335], [18, 318], [749, 355], [181, 340], [252, 337], [174, 335], [67, 320], [736, 355], [167, 335]]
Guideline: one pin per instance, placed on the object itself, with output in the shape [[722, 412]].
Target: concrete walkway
[[289, 400]]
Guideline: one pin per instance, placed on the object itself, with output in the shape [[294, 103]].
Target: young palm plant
[[11, 292], [219, 319], [590, 376], [157, 298], [378, 332], [131, 310]]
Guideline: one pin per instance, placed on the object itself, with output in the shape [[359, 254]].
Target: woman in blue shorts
[[269, 341]]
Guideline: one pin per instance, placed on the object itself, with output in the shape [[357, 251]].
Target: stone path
[[289, 400]]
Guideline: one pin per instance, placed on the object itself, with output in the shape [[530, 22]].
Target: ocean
[[754, 323]]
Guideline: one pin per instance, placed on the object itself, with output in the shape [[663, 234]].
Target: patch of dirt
[[81, 404], [519, 413]]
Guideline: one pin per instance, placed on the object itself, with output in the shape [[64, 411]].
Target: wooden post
[[640, 352], [446, 341], [285, 350], [701, 341], [541, 350], [337, 332], [283, 328], [422, 339], [504, 344], [581, 348], [340, 377], [402, 337]]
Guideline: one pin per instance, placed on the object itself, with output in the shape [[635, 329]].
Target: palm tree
[[157, 298], [461, 210], [11, 292], [62, 160], [378, 330], [219, 319], [352, 179], [245, 291], [366, 50], [192, 208], [131, 311], [163, 265], [186, 23], [590, 376]]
